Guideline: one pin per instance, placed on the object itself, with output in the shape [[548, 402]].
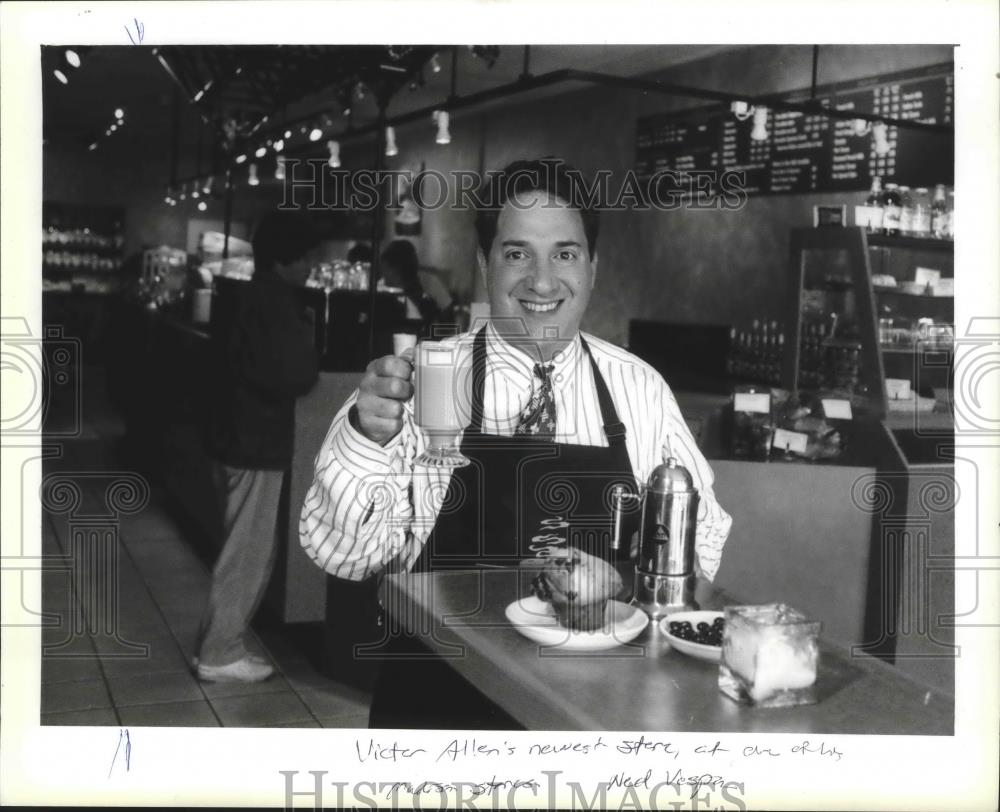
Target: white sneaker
[[253, 657], [249, 669]]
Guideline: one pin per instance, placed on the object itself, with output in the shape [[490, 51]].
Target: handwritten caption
[[474, 748], [682, 769]]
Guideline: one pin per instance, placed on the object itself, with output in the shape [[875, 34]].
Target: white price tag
[[897, 388], [926, 276], [758, 402], [785, 440], [836, 409]]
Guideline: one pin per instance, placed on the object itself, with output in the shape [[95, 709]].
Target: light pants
[[244, 567]]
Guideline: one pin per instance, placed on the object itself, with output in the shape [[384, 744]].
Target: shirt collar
[[518, 366]]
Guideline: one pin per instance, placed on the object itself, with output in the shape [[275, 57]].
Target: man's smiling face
[[539, 272]]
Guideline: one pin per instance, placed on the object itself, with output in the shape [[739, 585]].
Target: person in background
[[360, 252], [265, 360], [399, 270]]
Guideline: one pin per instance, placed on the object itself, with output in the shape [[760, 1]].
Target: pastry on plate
[[578, 586]]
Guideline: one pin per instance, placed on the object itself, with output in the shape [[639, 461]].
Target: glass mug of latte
[[438, 403]]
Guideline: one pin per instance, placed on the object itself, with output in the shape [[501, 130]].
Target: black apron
[[521, 497]]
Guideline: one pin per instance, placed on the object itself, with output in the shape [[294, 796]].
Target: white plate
[[698, 650], [536, 620]]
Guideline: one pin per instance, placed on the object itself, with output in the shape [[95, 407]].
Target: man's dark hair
[[283, 236], [550, 175]]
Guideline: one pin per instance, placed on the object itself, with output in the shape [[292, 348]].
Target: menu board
[[807, 152]]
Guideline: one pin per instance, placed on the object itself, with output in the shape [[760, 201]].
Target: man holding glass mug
[[554, 420]]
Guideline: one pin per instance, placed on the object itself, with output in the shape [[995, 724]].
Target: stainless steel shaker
[[664, 571]]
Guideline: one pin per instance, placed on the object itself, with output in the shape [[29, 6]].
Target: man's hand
[[387, 384]]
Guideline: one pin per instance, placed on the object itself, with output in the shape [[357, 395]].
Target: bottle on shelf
[[939, 213], [874, 206], [906, 212], [921, 212], [891, 209]]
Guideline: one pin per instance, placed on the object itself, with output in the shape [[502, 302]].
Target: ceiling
[[307, 84]]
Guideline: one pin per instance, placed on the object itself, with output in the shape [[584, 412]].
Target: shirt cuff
[[361, 456]]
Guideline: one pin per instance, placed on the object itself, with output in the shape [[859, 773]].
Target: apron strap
[[614, 429], [478, 381]]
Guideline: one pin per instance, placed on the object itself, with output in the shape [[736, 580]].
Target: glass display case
[[871, 319]]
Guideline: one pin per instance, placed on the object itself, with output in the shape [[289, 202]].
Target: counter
[[644, 685]]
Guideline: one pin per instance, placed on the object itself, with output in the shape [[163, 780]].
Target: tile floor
[[142, 676]]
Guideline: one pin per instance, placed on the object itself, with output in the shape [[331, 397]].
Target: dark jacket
[[265, 358]]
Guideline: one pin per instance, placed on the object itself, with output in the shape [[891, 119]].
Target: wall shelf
[[912, 243]]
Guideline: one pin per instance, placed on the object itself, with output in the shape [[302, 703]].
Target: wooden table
[[644, 685]]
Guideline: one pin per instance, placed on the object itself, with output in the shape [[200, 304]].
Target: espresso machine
[[664, 570]]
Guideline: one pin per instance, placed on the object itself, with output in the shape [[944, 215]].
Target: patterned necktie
[[538, 418]]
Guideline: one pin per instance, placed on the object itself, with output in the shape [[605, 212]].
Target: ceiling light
[[390, 142], [759, 132], [61, 76], [288, 133], [741, 110], [112, 128], [183, 194], [261, 152], [240, 158], [442, 119], [252, 176], [204, 90], [72, 58], [119, 113], [334, 160], [207, 188], [279, 145], [360, 90], [202, 206], [435, 64], [279, 168], [93, 146], [195, 193], [315, 134]]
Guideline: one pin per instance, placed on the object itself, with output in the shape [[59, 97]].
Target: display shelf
[[912, 243], [82, 247], [893, 292]]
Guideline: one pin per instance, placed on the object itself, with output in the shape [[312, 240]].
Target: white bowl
[[697, 650]]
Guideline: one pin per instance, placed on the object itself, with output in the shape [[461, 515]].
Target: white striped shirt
[[370, 509]]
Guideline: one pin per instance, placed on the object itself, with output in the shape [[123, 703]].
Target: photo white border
[[239, 766]]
